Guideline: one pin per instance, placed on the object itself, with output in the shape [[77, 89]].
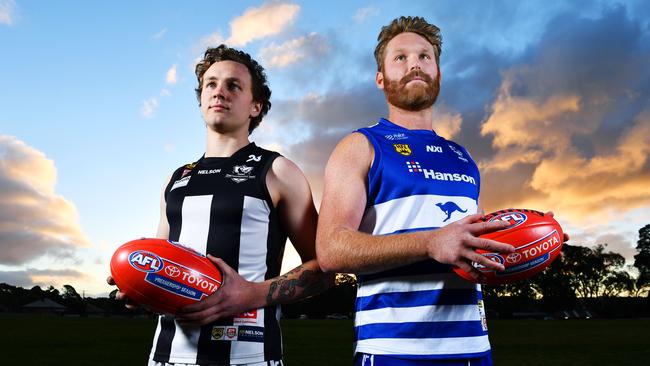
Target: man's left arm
[[291, 195]]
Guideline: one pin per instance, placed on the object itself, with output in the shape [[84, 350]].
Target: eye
[[234, 86], [400, 58], [425, 56], [211, 85]]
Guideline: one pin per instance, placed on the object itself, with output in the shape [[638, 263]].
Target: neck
[[221, 145], [420, 120]]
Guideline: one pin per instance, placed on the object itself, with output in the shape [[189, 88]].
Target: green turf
[[55, 340]]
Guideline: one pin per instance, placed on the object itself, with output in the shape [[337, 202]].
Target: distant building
[[44, 306]]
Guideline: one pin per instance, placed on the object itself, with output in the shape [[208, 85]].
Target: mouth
[[218, 107]]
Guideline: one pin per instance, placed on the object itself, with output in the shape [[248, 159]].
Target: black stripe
[[164, 344]]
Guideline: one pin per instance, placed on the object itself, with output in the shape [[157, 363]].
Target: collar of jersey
[[394, 126], [220, 160]]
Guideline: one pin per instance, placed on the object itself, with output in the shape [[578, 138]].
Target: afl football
[[163, 275], [537, 239]]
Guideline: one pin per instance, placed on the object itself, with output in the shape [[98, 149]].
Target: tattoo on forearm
[[308, 283]]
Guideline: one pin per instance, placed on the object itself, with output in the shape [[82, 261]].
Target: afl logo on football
[[514, 218], [145, 261], [491, 256]]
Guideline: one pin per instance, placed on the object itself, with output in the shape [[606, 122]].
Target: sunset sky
[[97, 108]]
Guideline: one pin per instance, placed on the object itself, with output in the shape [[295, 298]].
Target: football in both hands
[[537, 239], [162, 275]]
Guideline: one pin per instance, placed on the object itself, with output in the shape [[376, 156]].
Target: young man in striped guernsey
[[400, 207], [237, 203]]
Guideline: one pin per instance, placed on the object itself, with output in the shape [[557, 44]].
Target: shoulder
[[354, 151]]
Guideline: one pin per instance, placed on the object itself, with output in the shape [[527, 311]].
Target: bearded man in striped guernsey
[[237, 203], [400, 207]]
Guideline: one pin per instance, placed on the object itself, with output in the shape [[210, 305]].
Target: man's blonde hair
[[403, 24]]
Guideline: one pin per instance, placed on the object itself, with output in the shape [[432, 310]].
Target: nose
[[415, 64], [219, 91]]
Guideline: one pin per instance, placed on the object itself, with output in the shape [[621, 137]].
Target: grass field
[[55, 340]]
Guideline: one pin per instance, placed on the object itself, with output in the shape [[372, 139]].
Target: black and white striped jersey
[[222, 206]]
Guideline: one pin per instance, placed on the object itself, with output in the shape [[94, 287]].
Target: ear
[[256, 109], [379, 80]]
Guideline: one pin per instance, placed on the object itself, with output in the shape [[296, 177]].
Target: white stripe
[[194, 234], [252, 266], [423, 346], [419, 211], [441, 313], [415, 283], [155, 338], [196, 222]]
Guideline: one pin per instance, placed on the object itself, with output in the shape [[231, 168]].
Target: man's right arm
[[341, 247]]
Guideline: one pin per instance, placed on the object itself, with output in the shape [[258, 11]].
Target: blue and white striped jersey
[[418, 181]]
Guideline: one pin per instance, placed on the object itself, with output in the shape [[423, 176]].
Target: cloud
[[31, 277], [160, 34], [34, 221], [171, 75], [309, 47], [7, 10], [149, 107], [267, 20], [446, 122], [365, 12], [256, 23], [570, 123]]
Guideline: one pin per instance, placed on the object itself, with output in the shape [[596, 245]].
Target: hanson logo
[[145, 261], [454, 177]]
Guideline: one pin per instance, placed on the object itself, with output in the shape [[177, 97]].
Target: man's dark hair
[[260, 88]]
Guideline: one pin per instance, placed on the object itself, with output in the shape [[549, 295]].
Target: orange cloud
[[34, 220], [267, 20], [532, 138]]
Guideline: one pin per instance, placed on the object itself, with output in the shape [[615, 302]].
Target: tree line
[[582, 278]]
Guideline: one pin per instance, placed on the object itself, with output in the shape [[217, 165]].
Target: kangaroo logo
[[448, 208]]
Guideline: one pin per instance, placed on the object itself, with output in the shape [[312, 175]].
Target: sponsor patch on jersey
[[403, 149], [181, 183], [413, 166], [248, 317], [458, 153], [396, 136], [434, 149], [242, 333], [241, 173], [208, 171]]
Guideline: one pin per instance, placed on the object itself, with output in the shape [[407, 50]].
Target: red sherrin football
[[163, 275], [537, 239]]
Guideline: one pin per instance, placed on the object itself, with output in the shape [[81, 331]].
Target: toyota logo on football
[[513, 258], [172, 271]]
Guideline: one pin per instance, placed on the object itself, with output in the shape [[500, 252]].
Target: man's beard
[[417, 97]]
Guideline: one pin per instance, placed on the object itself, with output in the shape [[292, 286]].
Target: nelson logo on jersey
[[403, 149]]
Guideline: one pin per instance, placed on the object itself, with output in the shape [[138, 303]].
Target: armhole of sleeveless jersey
[[264, 187], [172, 179], [376, 160]]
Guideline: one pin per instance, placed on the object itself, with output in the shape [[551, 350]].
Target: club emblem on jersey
[[217, 333], [449, 208], [241, 173], [403, 149], [458, 152]]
